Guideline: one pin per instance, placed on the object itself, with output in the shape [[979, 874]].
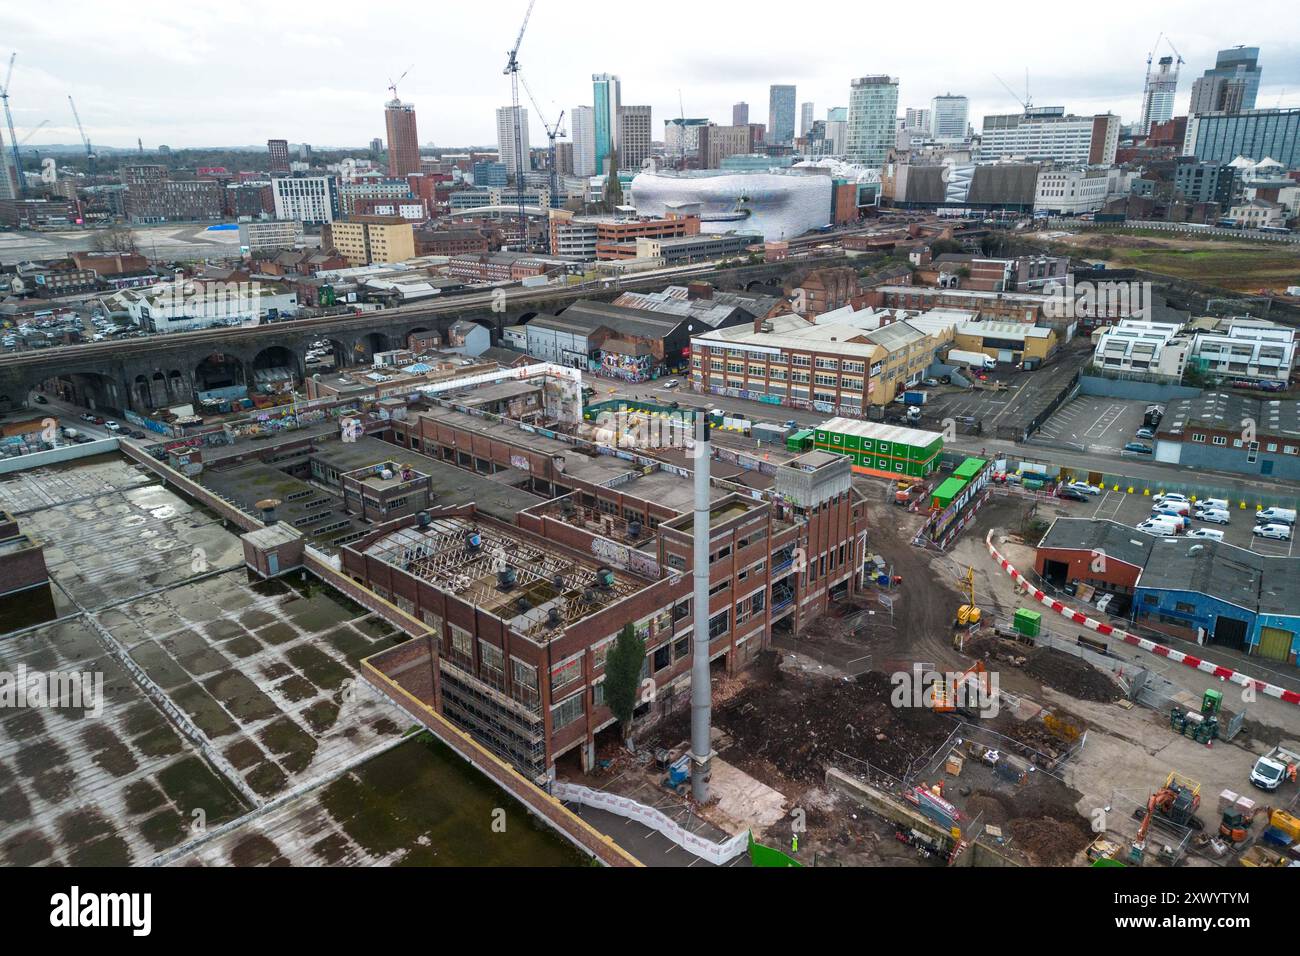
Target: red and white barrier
[[1109, 630]]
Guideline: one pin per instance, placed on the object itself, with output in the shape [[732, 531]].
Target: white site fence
[[716, 853]]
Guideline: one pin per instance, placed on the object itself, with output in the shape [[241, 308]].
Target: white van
[[1284, 515], [1212, 534], [1171, 498], [1161, 526], [1214, 516], [1212, 504], [1279, 532]]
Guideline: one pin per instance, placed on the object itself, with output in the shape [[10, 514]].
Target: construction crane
[[392, 83], [1026, 103], [551, 133], [968, 615], [90, 152], [9, 119], [512, 70]]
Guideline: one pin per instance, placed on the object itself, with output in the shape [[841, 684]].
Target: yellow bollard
[[1116, 488], [1243, 506], [1130, 491], [1146, 492]]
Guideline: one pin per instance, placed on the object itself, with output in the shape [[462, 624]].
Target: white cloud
[[240, 72]]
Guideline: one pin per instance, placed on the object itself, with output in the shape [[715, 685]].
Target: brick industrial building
[[524, 615]]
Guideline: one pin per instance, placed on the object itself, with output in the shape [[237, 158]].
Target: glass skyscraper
[[606, 101], [780, 115], [1255, 134], [873, 111]]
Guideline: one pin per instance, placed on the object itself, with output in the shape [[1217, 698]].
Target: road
[[1082, 463]]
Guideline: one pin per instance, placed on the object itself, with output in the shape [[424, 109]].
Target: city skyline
[[457, 92]]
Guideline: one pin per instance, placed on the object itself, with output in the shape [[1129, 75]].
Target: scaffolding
[[536, 591]]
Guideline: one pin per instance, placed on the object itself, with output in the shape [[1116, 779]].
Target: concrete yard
[[1088, 423]]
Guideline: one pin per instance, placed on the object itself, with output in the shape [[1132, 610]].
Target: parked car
[[1069, 494], [96, 420], [1214, 516], [1083, 488], [1163, 528], [1213, 534], [671, 383], [1147, 433], [112, 426], [1278, 532], [1181, 508], [930, 382], [1169, 496], [1138, 448], [1212, 504], [42, 400]]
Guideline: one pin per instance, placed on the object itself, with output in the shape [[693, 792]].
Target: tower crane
[[90, 152], [9, 119], [392, 83], [551, 133], [1027, 103], [512, 70]]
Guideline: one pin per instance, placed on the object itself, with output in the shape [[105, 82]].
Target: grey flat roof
[[1084, 534]]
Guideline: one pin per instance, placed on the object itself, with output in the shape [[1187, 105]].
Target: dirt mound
[[1071, 675], [798, 727], [1039, 818]]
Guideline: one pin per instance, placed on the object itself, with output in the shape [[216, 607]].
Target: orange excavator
[[1177, 801], [961, 695]]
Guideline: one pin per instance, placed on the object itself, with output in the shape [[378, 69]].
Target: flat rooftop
[[530, 584]]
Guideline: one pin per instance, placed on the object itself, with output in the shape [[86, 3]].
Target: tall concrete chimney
[[701, 692]]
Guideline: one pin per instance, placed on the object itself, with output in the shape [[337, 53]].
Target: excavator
[[1235, 825], [958, 696], [1177, 801]]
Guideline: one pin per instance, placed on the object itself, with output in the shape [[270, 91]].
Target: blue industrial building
[[1192, 588]]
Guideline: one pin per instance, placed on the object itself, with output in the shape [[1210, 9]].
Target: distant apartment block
[[310, 199], [366, 240], [1048, 133]]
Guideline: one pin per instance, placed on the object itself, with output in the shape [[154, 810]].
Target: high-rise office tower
[[606, 101], [837, 121], [1158, 95], [805, 119], [584, 141], [873, 108], [740, 114], [506, 138], [949, 118], [403, 140], [278, 151], [9, 182], [634, 125], [780, 115], [1232, 84], [916, 120]]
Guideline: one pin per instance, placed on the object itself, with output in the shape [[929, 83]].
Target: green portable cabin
[[887, 451], [800, 441], [1027, 622], [947, 492], [969, 468]]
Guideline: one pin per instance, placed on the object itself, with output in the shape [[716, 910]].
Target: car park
[[1278, 532], [1211, 534]]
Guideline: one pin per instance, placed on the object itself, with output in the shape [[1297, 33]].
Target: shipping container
[[886, 451], [969, 468], [800, 441], [947, 492], [914, 398]]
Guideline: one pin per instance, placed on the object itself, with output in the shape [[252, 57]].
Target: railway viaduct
[[146, 373]]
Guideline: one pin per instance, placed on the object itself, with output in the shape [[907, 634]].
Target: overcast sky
[[236, 73]]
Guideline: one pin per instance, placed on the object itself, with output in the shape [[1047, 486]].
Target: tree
[[115, 239], [942, 247], [623, 675]]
